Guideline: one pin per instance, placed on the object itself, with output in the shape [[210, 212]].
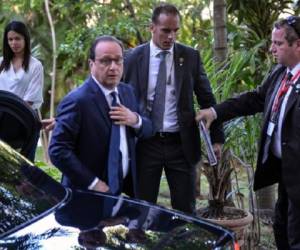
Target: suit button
[[283, 143]]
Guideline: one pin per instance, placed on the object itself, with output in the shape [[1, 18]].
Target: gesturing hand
[[48, 124], [123, 116]]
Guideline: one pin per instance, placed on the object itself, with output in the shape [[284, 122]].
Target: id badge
[[271, 127]]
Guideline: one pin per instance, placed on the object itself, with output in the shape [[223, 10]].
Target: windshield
[[25, 191]]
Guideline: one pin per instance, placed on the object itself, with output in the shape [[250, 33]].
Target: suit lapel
[[123, 96], [100, 101], [271, 100], [178, 68], [143, 73], [292, 98], [125, 100]]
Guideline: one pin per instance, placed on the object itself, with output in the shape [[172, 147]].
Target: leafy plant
[[241, 134], [218, 178]]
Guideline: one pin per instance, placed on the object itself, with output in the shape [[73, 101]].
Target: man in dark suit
[[167, 98], [81, 145], [279, 151]]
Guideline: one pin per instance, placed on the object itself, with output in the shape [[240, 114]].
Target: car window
[[26, 192]]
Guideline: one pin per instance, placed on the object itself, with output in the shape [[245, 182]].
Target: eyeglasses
[[291, 20], [108, 61]]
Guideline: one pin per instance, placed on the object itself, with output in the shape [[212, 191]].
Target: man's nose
[[172, 35], [113, 64]]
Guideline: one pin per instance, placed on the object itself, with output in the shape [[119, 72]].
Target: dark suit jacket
[[80, 141], [261, 100], [190, 79]]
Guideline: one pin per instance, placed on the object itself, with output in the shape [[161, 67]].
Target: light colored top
[[27, 85], [276, 140], [170, 123]]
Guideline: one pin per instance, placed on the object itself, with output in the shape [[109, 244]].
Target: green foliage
[[255, 19], [78, 22], [237, 75], [49, 169]]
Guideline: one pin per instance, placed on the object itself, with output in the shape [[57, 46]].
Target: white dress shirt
[[170, 123], [276, 140], [27, 85]]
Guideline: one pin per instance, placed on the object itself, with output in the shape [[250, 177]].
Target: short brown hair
[[164, 8], [291, 25]]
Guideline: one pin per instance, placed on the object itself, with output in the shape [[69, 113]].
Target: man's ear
[[298, 43], [151, 27], [90, 62]]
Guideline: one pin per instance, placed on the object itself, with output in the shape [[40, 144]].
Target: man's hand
[[207, 115], [218, 150], [48, 124], [123, 116], [101, 187]]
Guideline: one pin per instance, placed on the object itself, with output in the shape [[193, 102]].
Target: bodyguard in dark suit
[[279, 150], [166, 76], [93, 142]]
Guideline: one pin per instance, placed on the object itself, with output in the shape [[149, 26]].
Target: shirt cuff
[[214, 113], [93, 184], [139, 123]]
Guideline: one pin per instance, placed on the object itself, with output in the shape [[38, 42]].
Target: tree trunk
[[220, 54], [220, 31], [45, 137], [53, 74]]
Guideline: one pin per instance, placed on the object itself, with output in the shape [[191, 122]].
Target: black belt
[[166, 134]]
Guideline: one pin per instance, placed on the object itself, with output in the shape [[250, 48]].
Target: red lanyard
[[285, 84]]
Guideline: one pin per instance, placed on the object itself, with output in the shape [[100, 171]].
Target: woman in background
[[21, 73]]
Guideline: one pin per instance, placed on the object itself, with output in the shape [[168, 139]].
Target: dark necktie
[[285, 84], [115, 173], [158, 107], [275, 111]]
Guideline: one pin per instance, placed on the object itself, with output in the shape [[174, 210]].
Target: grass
[[48, 168]]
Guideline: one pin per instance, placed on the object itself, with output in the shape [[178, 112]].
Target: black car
[[37, 212]]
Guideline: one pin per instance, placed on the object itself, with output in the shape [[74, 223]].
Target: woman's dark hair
[[8, 54]]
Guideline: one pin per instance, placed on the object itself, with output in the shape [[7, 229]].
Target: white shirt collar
[[105, 91], [154, 50], [295, 69]]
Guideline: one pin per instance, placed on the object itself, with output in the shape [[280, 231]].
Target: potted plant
[[219, 181]]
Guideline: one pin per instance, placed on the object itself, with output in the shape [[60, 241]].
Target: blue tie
[[115, 173]]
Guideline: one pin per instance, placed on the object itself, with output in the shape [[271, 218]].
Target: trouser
[[164, 152], [287, 221]]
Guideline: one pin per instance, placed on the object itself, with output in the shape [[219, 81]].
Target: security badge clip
[[297, 88], [271, 127]]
